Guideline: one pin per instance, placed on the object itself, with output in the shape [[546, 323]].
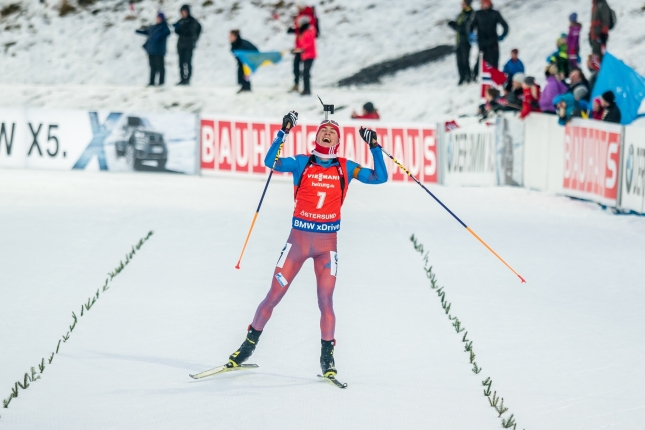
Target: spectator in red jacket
[[306, 47], [308, 12], [531, 97], [369, 112], [601, 23]]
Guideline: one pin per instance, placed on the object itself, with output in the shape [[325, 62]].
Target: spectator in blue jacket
[[513, 66], [155, 46]]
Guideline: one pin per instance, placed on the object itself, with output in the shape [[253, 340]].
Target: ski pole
[[451, 213], [257, 211]]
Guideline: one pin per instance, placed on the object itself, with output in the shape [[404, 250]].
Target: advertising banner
[[510, 150], [113, 141], [633, 170], [468, 155], [592, 161], [238, 146]]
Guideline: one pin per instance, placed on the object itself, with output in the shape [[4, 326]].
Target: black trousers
[[241, 79], [296, 68], [157, 66], [491, 56], [185, 64], [463, 61], [306, 75]]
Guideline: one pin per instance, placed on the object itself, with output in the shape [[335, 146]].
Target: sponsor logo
[[322, 184], [321, 176], [283, 255], [629, 168], [471, 152], [317, 216], [281, 280], [316, 226], [334, 263]]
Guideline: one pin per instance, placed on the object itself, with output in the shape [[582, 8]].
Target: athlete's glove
[[289, 121], [369, 136]]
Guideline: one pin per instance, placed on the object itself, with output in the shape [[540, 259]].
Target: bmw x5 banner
[[106, 141], [633, 186]]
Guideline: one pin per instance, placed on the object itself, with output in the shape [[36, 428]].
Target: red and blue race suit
[[320, 187]]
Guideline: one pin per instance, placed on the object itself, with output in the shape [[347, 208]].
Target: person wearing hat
[[485, 23], [188, 30], [310, 13], [573, 40], [611, 112], [513, 100], [602, 20], [462, 27], [239, 44], [513, 66], [306, 49], [321, 181], [369, 112], [155, 46], [531, 101], [553, 88]]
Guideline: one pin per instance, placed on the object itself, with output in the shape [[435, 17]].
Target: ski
[[223, 369], [332, 380]]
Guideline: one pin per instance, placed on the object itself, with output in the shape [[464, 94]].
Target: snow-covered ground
[[564, 350], [92, 58]]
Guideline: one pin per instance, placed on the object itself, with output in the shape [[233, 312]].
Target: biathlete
[[321, 181]]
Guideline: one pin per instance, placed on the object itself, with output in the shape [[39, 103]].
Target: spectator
[[513, 66], [573, 41], [593, 64], [309, 12], [239, 44], [554, 87], [306, 47], [581, 108], [571, 105], [369, 112], [485, 22], [597, 111], [531, 101], [602, 20], [492, 103], [461, 27], [155, 46], [577, 79], [560, 57], [612, 112], [513, 100], [188, 30]]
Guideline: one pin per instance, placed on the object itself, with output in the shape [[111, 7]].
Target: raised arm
[[287, 164], [378, 175]]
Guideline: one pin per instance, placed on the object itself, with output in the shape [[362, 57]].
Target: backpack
[[612, 18]]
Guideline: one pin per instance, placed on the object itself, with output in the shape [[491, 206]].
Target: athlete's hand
[[369, 136], [289, 121]]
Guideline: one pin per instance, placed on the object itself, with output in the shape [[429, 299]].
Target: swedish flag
[[253, 60]]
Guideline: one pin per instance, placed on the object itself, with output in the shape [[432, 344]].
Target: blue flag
[[627, 85], [253, 60]]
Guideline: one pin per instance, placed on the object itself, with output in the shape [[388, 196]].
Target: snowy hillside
[[91, 58]]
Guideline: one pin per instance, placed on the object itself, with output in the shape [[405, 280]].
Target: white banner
[[238, 146], [592, 161], [632, 196], [468, 155], [510, 150], [114, 141]]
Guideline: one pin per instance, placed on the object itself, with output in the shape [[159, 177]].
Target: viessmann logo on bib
[[321, 176]]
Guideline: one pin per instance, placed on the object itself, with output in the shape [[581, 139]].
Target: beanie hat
[[529, 80], [369, 107], [327, 152], [185, 8], [488, 3], [519, 77], [580, 92], [573, 17], [609, 97], [161, 15]]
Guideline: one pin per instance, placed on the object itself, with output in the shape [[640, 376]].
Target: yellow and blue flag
[[253, 60]]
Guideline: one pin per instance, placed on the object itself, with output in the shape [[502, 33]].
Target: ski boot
[[246, 349], [327, 358]]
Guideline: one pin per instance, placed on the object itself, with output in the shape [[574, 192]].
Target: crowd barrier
[[91, 140], [601, 162]]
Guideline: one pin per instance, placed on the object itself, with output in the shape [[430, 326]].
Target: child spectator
[[573, 40], [560, 57], [554, 87], [531, 97], [571, 105], [612, 112], [513, 66], [369, 112], [597, 111], [492, 103], [512, 101]]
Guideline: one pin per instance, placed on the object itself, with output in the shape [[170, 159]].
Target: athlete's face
[[327, 137]]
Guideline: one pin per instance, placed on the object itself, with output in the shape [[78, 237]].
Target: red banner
[[591, 161], [239, 146]]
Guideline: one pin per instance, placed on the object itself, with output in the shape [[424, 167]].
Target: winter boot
[[295, 89], [246, 349], [327, 358]]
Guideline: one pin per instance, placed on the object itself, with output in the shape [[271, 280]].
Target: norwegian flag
[[490, 76]]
